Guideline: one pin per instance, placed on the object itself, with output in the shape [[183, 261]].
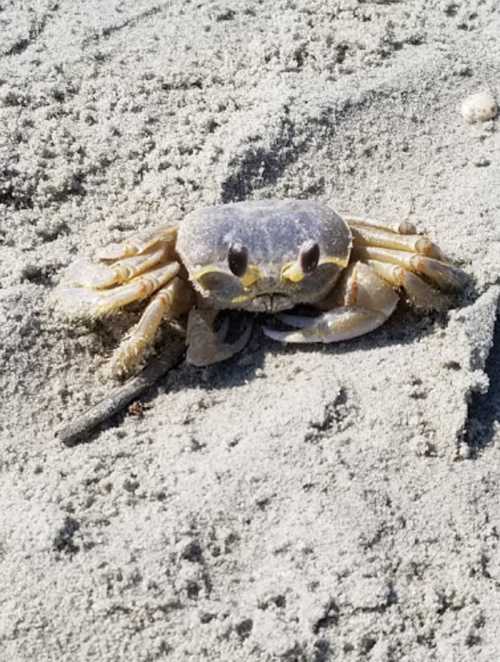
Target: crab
[[266, 256]]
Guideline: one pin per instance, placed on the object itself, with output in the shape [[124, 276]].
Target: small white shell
[[479, 107]]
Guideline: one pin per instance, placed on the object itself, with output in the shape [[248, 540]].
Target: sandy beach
[[296, 503]]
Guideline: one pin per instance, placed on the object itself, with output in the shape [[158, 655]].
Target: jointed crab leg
[[172, 300], [418, 291], [406, 260], [128, 273], [397, 227], [445, 276], [139, 245], [99, 275], [369, 236], [96, 303]]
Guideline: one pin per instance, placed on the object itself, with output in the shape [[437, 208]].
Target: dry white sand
[[298, 504]]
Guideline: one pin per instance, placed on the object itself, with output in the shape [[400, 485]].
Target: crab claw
[[206, 345], [336, 325]]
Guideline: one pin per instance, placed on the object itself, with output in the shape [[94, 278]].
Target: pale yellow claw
[[207, 346], [368, 301], [334, 326]]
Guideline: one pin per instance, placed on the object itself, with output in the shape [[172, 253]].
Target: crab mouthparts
[[271, 302]]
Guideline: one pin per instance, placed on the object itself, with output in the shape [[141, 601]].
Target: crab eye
[[237, 259], [309, 256]]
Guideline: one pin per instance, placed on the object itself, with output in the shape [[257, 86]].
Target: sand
[[295, 503]]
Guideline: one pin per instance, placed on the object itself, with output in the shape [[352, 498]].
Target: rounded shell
[[272, 233], [271, 230]]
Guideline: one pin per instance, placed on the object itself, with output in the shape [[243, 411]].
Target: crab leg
[[367, 302], [444, 275], [96, 303], [171, 300], [370, 236], [419, 292], [407, 260], [397, 227], [139, 245], [101, 276]]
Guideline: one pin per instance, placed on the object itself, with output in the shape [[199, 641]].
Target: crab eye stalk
[[305, 264], [237, 259], [309, 256]]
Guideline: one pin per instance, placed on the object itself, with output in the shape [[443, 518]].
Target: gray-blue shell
[[272, 231]]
